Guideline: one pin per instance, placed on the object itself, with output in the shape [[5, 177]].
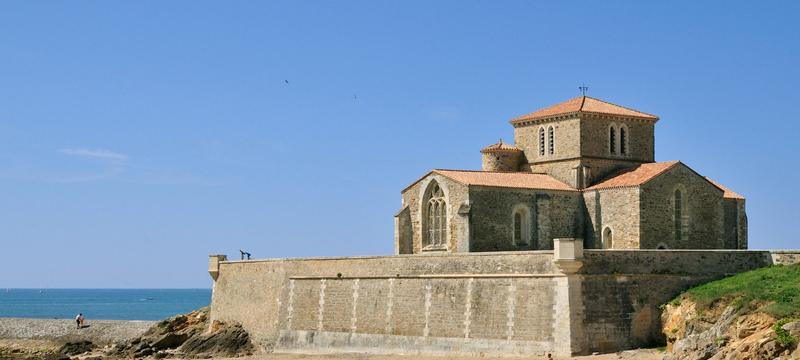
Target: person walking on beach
[[79, 320]]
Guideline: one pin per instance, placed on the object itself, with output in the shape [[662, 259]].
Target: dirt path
[[644, 354], [39, 346]]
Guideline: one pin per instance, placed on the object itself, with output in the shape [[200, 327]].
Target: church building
[[584, 168]]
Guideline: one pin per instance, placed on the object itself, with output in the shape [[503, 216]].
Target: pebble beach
[[98, 331]]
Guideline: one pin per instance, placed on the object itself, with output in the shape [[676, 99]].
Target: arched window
[[608, 238], [551, 140], [522, 225], [679, 215], [612, 140], [623, 140], [436, 221], [541, 141]]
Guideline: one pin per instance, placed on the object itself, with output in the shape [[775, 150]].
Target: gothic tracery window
[[435, 216], [551, 140]]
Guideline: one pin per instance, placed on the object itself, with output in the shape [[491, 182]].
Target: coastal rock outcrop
[[752, 315], [724, 332], [189, 335]]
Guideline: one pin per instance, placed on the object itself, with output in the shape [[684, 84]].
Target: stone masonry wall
[[508, 303], [433, 303], [585, 141], [595, 138], [742, 224], [623, 289], [567, 140], [501, 161], [455, 193], [552, 213], [730, 223], [616, 209], [704, 211], [563, 171]]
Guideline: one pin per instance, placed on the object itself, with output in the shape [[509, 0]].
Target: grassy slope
[[774, 290]]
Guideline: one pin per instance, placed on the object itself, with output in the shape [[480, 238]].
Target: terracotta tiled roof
[[501, 147], [520, 180], [728, 193], [584, 104], [635, 176]]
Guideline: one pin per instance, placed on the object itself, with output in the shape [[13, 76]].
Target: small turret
[[501, 157]]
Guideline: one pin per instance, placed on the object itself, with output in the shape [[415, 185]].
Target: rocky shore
[[184, 336]]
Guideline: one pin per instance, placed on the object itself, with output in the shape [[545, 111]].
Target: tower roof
[[501, 147], [584, 104]]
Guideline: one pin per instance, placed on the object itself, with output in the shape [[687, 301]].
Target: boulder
[[75, 348], [169, 341], [142, 353], [793, 328]]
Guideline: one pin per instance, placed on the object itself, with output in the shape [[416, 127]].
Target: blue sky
[[138, 137]]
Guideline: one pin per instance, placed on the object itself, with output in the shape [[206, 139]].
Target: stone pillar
[[213, 265], [568, 332]]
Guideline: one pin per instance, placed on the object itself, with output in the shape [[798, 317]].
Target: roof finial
[[501, 140], [583, 88]]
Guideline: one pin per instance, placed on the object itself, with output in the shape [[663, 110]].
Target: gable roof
[[635, 176], [514, 180], [584, 104], [729, 194]]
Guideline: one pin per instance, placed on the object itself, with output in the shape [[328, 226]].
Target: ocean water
[[101, 304]]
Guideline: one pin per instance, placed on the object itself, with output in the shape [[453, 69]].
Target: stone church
[[584, 168]]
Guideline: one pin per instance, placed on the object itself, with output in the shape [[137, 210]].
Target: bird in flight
[[286, 81]]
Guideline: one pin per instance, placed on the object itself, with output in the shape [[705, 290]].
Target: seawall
[[512, 303]]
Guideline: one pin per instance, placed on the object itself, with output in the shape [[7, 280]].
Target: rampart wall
[[512, 303]]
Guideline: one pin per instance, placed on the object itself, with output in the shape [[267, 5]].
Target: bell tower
[[584, 139]]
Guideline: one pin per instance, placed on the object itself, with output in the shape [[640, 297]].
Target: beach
[[97, 331]]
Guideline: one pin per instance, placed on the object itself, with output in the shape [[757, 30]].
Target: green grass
[[784, 337], [778, 285]]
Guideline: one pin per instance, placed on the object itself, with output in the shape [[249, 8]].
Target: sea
[[101, 304]]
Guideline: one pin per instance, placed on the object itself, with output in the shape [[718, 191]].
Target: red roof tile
[[635, 176], [501, 147], [729, 194], [584, 104], [520, 180]]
